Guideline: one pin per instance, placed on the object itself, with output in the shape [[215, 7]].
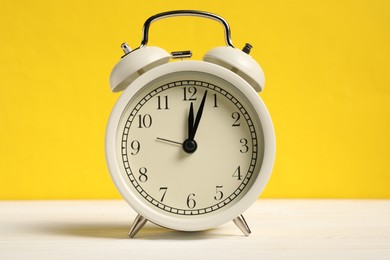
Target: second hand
[[168, 141]]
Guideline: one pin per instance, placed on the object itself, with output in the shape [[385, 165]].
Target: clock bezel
[[204, 221]]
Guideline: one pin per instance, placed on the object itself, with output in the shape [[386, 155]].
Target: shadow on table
[[149, 231]]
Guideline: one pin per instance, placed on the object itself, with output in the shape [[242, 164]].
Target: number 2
[[236, 116]]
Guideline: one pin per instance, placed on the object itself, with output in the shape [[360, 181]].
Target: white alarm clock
[[189, 144]]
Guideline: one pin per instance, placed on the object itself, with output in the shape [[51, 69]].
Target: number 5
[[219, 194]]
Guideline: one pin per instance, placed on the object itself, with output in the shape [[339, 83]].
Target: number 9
[[136, 146]]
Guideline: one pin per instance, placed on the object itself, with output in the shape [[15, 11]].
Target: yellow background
[[327, 89]]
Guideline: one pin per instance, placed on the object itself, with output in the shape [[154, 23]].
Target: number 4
[[237, 173]]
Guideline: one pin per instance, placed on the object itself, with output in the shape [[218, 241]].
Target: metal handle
[[212, 16]]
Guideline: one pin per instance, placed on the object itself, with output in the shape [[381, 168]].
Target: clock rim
[[204, 221]]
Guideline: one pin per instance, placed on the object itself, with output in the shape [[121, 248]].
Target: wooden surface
[[281, 229]]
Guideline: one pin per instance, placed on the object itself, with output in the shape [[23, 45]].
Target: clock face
[[189, 144]]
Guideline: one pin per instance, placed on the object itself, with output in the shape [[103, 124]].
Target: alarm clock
[[189, 144]]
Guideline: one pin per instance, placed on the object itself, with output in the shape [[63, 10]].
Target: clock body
[[209, 186]]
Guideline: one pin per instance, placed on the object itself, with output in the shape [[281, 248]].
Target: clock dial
[[189, 144]]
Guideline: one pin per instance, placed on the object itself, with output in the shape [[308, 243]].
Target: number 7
[[165, 192]]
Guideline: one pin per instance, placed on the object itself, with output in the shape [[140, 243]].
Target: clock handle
[[203, 14]]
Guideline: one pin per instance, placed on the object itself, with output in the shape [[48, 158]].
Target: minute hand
[[198, 117]]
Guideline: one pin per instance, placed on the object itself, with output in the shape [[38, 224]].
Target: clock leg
[[138, 223], [242, 225]]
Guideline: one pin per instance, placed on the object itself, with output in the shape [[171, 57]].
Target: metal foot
[[138, 223], [242, 225]]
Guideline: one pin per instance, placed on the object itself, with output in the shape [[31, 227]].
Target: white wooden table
[[281, 229]]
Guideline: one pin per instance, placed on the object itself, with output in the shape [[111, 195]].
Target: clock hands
[[190, 145]]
